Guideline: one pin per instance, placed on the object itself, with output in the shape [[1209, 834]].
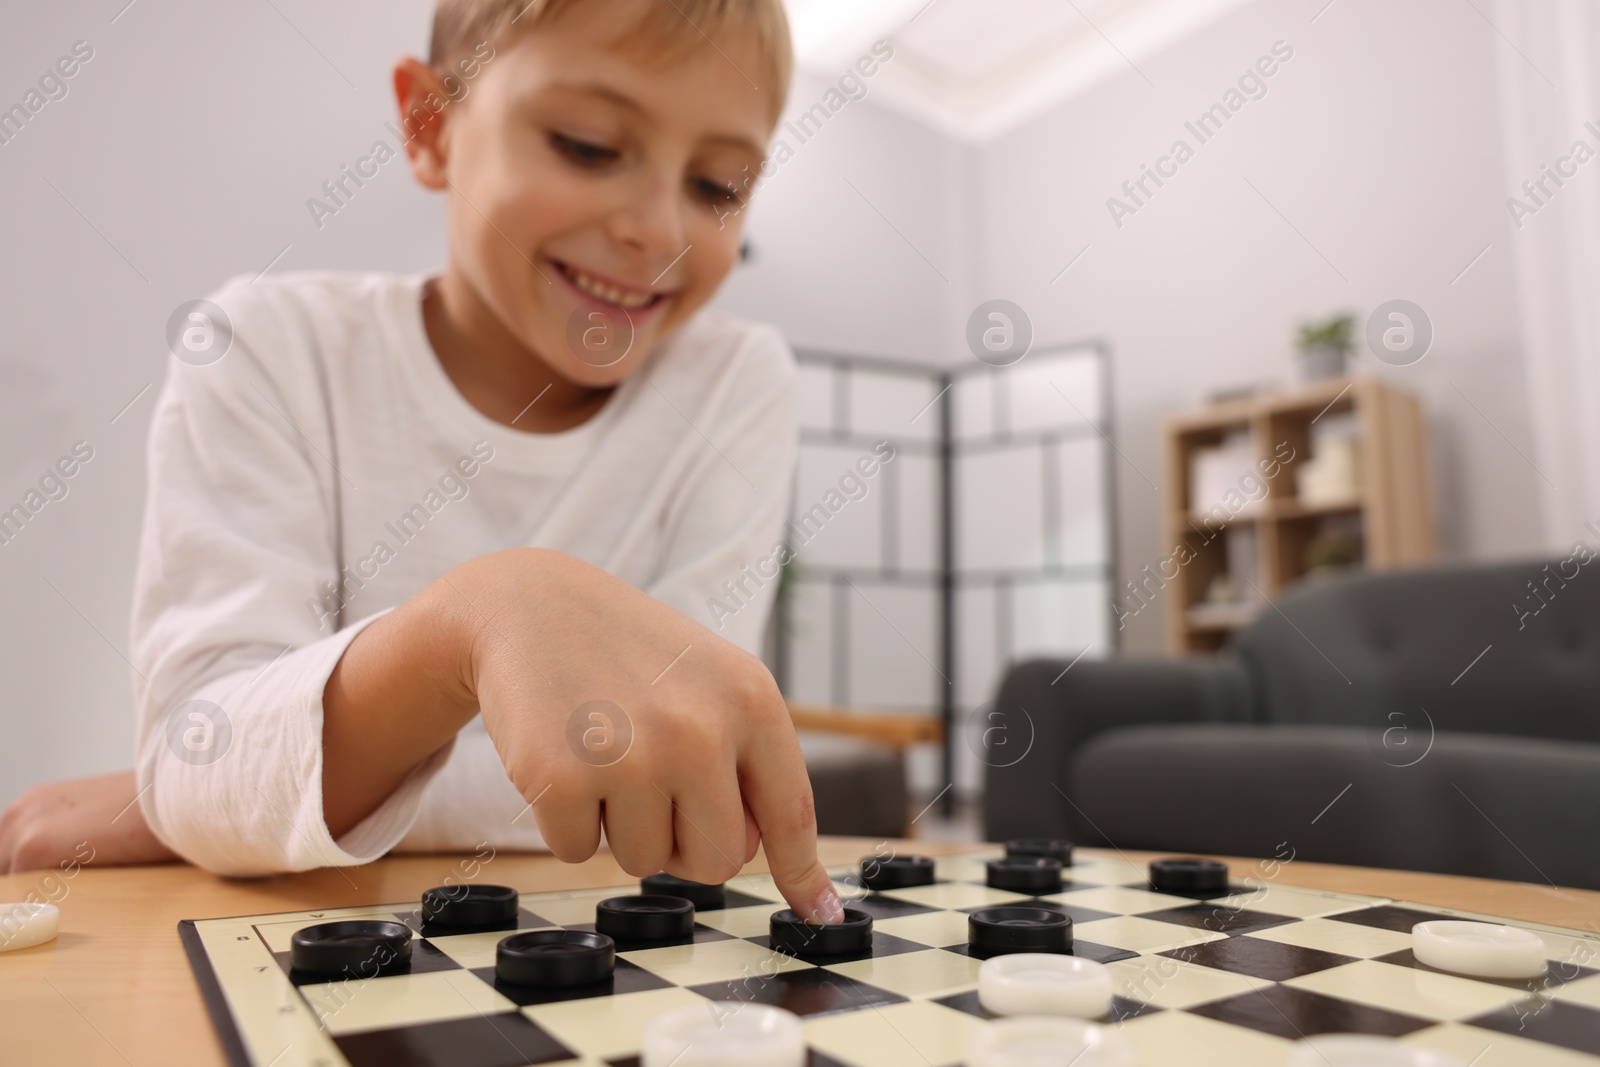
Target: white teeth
[[609, 293]]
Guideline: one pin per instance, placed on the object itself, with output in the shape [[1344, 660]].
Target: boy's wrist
[[451, 639], [464, 605]]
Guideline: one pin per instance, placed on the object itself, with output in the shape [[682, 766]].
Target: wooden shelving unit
[[1391, 512]]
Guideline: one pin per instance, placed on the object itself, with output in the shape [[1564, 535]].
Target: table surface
[[115, 986]]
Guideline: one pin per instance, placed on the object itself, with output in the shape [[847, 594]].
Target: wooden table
[[116, 988]]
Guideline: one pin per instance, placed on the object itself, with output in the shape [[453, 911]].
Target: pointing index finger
[[778, 794]]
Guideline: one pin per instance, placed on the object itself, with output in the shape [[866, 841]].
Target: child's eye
[[714, 192], [584, 153]]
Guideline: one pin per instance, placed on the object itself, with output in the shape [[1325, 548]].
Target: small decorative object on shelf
[[1223, 590], [1325, 346], [1331, 475], [1224, 476], [1268, 489], [1332, 551]]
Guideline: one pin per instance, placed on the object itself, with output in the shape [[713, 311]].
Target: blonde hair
[[460, 26]]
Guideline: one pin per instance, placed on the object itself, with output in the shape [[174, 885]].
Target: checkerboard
[[1231, 981]]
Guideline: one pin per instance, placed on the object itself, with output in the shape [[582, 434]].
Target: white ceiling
[[976, 68]]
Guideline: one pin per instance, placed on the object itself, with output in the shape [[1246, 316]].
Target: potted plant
[[1324, 346]]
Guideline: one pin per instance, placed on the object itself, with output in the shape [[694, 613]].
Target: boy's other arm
[[78, 821]]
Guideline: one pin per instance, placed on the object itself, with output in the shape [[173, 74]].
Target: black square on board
[[626, 978], [1292, 1013], [509, 1040], [1100, 953], [1232, 891], [1123, 1009], [1387, 917], [735, 899], [880, 906], [813, 1059], [1066, 886], [1218, 919], [966, 1002], [1259, 958], [1554, 1022], [812, 991]]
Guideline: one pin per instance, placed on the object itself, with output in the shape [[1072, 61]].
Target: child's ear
[[421, 96]]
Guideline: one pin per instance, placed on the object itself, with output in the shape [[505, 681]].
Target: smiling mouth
[[624, 297]]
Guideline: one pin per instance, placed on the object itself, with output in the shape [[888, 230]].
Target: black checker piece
[[625, 978], [1075, 912], [896, 872], [424, 958], [705, 896], [1187, 876], [808, 992], [699, 936], [882, 945], [469, 907], [525, 920]]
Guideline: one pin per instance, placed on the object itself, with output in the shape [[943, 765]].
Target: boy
[[331, 587]]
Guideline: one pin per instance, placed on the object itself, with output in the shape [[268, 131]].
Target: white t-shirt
[[325, 469]]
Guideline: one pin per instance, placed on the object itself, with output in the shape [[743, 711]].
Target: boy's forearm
[[397, 695]]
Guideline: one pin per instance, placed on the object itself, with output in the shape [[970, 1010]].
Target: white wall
[[1380, 142], [859, 242], [189, 143]]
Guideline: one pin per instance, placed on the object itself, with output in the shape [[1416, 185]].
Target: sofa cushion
[[1472, 645], [1495, 807], [1048, 710]]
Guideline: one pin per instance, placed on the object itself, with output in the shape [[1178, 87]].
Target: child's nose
[[652, 218]]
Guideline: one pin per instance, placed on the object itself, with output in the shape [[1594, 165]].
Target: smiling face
[[593, 184]]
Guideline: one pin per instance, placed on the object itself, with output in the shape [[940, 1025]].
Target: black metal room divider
[[945, 523]]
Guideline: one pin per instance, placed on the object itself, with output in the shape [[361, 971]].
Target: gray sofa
[[1428, 720]]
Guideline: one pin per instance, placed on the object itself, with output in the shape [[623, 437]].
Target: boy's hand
[[83, 820], [611, 709]]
